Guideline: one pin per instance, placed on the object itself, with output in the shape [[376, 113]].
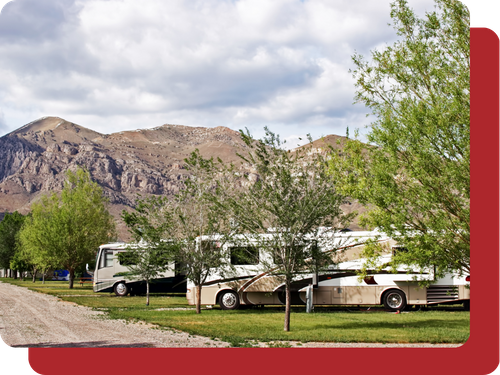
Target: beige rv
[[252, 284]]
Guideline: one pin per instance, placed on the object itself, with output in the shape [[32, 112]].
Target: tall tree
[[34, 250], [416, 174], [67, 229], [9, 230], [149, 255], [196, 215], [171, 227], [17, 262], [292, 201]]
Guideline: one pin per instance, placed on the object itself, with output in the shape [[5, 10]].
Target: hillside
[[35, 157]]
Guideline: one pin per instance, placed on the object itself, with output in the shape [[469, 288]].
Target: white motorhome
[[254, 284], [112, 276]]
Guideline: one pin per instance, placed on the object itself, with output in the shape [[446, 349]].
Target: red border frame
[[479, 355]]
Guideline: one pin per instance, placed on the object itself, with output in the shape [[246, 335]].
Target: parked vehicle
[[112, 276], [60, 275], [253, 284]]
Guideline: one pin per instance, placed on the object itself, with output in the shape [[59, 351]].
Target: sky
[[113, 65]]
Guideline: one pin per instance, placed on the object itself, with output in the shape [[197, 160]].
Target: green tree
[[150, 254], [196, 215], [170, 228], [66, 229], [36, 259], [415, 175], [19, 263], [286, 208], [9, 230]]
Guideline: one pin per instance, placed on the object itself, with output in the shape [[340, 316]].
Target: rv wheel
[[229, 300], [121, 289], [394, 300], [467, 305]]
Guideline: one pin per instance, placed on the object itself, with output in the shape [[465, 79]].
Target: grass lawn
[[325, 325], [241, 327]]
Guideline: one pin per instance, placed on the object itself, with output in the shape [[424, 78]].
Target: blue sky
[[112, 65]]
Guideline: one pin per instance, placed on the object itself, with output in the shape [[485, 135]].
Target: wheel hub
[[395, 300], [229, 299], [120, 288]]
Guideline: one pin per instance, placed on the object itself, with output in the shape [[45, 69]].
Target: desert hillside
[[35, 157]]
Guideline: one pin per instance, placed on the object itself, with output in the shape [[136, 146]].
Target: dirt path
[[31, 319]]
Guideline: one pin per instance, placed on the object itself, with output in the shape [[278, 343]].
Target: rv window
[[126, 259], [162, 257], [241, 256], [106, 258]]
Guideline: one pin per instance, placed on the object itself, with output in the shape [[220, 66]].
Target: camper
[[253, 284], [112, 276]]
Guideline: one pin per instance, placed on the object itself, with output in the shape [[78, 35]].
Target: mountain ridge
[[35, 157]]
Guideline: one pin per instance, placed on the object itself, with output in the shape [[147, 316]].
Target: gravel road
[[31, 319]]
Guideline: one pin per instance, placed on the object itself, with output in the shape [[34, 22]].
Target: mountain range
[[35, 157]]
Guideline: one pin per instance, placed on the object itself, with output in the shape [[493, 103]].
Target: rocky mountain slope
[[35, 157]]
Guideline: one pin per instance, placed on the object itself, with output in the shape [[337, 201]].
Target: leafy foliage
[[65, 231], [150, 255], [20, 263], [9, 229], [416, 173], [196, 215], [285, 208], [175, 226]]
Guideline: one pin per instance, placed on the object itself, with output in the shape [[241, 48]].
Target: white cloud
[[244, 63]]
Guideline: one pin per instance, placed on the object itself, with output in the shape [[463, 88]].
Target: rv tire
[[229, 300], [467, 305], [394, 300], [121, 289]]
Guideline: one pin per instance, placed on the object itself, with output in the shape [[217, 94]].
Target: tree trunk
[[287, 306], [15, 274], [147, 292], [71, 278], [198, 299], [34, 274]]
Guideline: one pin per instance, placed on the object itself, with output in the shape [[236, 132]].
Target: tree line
[[413, 174]]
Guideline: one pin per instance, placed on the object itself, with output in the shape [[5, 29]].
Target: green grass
[[241, 327], [55, 288], [326, 326]]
